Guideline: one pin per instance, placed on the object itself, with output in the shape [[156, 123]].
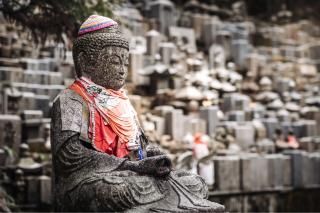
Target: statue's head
[[101, 52]]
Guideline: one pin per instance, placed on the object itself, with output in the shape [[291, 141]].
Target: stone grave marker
[[136, 64], [164, 13], [210, 30], [153, 41], [166, 49], [235, 101], [194, 125], [248, 171], [275, 170], [301, 168], [10, 134], [239, 51], [11, 74], [217, 56], [238, 116], [45, 189], [174, 124], [183, 37], [271, 125], [244, 135], [227, 173], [33, 190], [210, 115]]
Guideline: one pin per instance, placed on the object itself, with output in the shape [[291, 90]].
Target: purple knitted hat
[[95, 22]]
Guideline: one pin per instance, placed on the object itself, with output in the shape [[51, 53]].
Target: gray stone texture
[[302, 168], [210, 115], [244, 135], [10, 134], [254, 173], [175, 123], [227, 173]]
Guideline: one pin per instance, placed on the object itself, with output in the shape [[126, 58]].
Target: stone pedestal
[[254, 172], [227, 173], [301, 168]]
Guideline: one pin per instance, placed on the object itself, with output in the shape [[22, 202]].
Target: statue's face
[[111, 67]]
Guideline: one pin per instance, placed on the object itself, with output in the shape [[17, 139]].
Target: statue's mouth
[[121, 78]]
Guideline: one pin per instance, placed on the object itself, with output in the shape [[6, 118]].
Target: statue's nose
[[122, 71]]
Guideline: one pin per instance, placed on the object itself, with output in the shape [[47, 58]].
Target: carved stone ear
[[82, 61]]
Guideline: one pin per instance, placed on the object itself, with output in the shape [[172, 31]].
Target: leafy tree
[[54, 17]]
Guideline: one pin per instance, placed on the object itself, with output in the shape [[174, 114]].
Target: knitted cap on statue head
[[96, 33], [100, 24], [94, 23]]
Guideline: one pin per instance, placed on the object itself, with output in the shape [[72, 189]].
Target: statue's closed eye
[[113, 59]]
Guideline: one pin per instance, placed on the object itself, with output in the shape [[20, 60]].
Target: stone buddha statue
[[101, 159]]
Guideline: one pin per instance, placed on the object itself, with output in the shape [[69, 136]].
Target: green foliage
[[54, 17], [7, 203]]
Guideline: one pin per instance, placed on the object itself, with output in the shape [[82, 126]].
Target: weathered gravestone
[[184, 37], [159, 123], [35, 77], [32, 129], [164, 12], [45, 189], [210, 31], [278, 171], [239, 51], [217, 57], [10, 101], [271, 125], [236, 116], [307, 144], [235, 101], [42, 102], [33, 190], [174, 124], [210, 115], [315, 166], [11, 74], [30, 64], [227, 173], [10, 134], [260, 203], [301, 168], [166, 49], [153, 41], [305, 128], [136, 64], [254, 173], [244, 135], [224, 38], [194, 125]]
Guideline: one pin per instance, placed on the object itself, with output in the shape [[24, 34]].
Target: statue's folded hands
[[158, 166]]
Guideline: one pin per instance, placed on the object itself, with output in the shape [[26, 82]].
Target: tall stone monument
[[101, 159]]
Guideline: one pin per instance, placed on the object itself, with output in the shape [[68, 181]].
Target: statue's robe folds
[[87, 180]]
